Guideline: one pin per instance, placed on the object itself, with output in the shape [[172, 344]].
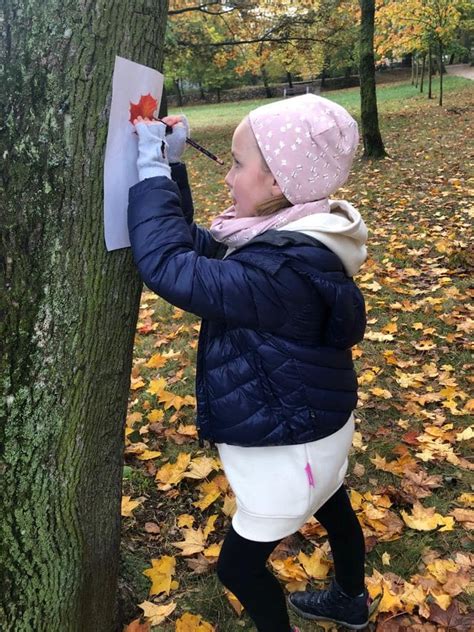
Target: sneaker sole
[[312, 617]]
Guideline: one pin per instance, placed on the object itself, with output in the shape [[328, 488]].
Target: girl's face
[[249, 183]]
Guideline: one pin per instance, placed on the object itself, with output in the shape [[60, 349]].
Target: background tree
[[373, 144], [422, 27], [69, 311]]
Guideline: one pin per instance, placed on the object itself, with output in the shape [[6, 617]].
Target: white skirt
[[278, 488]]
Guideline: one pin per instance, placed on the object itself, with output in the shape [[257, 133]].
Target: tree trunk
[[179, 95], [440, 49], [163, 109], [413, 70], [268, 91], [373, 144], [430, 73], [416, 70], [69, 311], [201, 91], [423, 64], [290, 82]]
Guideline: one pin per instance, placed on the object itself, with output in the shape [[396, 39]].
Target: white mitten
[[152, 151], [177, 140]]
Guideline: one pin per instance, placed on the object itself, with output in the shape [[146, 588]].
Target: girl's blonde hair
[[273, 205]]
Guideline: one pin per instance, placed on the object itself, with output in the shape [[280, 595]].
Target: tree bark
[[264, 74], [69, 311], [423, 65], [179, 95], [430, 73], [373, 144], [440, 51]]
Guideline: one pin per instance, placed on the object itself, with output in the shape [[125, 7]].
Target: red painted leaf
[[145, 107]]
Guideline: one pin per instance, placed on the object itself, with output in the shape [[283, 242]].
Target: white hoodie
[[342, 230]]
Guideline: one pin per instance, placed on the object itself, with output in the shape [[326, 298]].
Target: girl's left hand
[[176, 140]]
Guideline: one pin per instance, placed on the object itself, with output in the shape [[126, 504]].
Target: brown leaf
[[137, 626], [200, 564], [452, 618], [464, 516], [419, 483]]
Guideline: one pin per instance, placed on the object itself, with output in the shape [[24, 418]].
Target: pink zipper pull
[[309, 473]]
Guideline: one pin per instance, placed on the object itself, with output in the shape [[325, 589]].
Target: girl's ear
[[276, 190]]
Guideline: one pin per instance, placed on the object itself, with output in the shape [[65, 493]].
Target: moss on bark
[[69, 310]]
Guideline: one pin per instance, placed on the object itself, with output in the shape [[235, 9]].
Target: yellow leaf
[[193, 542], [377, 336], [288, 568], [160, 574], [210, 493], [133, 418], [157, 386], [443, 601], [156, 361], [136, 383], [201, 467], [155, 415], [390, 328], [234, 602], [209, 528], [229, 507], [189, 430], [172, 473], [357, 441], [192, 623], [386, 559], [185, 520], [128, 506], [425, 519], [156, 614], [213, 550], [149, 454], [465, 435], [316, 565], [466, 499], [440, 569], [381, 392]]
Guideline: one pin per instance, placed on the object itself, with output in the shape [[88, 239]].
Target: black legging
[[242, 564]]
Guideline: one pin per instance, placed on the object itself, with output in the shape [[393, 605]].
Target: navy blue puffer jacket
[[274, 365]]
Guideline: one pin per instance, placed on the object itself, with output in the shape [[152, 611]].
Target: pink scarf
[[235, 232]]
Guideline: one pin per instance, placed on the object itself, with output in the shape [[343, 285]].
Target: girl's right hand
[[177, 139]]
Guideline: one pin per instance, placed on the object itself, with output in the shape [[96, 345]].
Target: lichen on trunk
[[69, 310]]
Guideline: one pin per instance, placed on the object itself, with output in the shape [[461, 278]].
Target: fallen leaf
[[193, 542], [426, 519], [192, 623], [156, 614], [128, 505], [161, 573]]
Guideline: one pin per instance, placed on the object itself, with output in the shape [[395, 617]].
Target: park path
[[461, 70]]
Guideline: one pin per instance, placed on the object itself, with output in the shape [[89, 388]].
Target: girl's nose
[[227, 179]]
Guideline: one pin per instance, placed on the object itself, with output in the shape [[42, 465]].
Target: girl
[[275, 382]]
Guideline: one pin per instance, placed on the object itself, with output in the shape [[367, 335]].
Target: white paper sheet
[[131, 81]]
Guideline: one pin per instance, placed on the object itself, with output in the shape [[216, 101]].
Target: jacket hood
[[342, 230]]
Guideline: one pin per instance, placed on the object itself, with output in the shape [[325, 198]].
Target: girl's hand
[[152, 148], [177, 139]]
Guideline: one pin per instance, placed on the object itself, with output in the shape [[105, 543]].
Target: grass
[[392, 96], [416, 205]]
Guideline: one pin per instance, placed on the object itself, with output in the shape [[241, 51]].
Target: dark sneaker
[[332, 605]]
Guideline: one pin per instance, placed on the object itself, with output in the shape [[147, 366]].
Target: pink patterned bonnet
[[308, 143]]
